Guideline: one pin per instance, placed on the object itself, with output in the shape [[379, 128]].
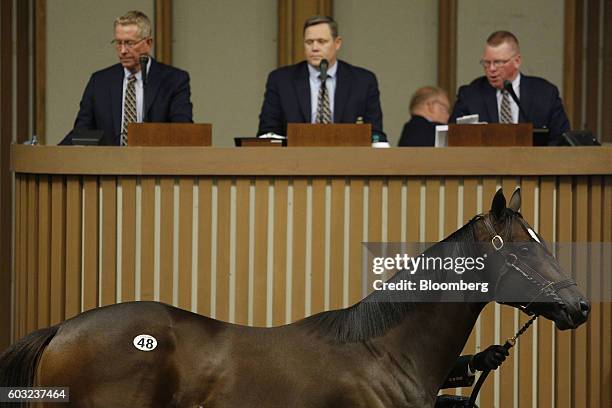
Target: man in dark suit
[[429, 107], [539, 99], [294, 94], [113, 97]]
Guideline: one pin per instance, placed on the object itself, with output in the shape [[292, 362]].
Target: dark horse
[[373, 354]]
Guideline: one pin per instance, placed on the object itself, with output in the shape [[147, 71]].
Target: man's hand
[[489, 359]]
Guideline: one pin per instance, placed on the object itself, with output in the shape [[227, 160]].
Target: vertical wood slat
[[374, 219], [58, 247], [317, 242], [594, 347], [90, 244], [487, 316], [432, 209], [394, 210], [21, 256], [204, 246], [166, 240], [470, 192], [413, 209], [128, 239], [546, 373], [279, 315], [241, 288], [44, 249], [506, 325], [579, 336], [74, 219], [298, 294], [32, 248], [606, 265], [451, 197], [336, 283], [564, 391], [260, 288], [108, 280], [147, 242], [606, 100], [184, 244], [355, 236], [523, 356], [223, 249]]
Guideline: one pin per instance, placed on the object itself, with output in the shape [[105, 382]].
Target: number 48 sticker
[[144, 342]]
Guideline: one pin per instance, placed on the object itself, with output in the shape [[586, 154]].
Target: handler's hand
[[489, 359]]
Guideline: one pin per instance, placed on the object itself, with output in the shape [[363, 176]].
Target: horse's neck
[[429, 339]]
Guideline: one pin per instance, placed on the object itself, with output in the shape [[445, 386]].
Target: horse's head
[[523, 271]]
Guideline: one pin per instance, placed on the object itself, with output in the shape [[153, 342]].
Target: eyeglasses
[[129, 44], [496, 63]]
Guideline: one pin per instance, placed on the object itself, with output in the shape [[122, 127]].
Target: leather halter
[[514, 262]]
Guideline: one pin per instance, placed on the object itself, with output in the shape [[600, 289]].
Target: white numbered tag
[[144, 342]]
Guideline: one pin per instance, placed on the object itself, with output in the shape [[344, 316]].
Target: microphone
[[323, 69], [508, 87], [144, 60]]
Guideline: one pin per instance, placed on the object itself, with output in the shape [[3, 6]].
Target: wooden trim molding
[[291, 17], [40, 69], [572, 75], [6, 196], [606, 108], [592, 67], [23, 71], [447, 46], [163, 31]]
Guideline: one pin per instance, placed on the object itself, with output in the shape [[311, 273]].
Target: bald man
[[486, 96], [429, 107]]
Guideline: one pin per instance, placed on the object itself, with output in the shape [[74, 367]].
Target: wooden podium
[[493, 134], [336, 134], [169, 134]]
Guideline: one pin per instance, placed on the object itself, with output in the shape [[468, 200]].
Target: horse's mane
[[377, 313]]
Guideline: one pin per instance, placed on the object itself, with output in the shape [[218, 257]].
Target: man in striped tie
[[486, 96], [117, 96], [299, 94]]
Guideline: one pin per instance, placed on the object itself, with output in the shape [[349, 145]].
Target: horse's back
[[95, 356]]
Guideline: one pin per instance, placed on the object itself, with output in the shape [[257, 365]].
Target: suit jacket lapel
[[343, 90], [491, 102], [153, 81], [116, 97], [301, 81], [525, 97]]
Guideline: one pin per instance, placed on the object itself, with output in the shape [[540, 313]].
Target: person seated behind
[[294, 93], [464, 372], [113, 97], [429, 106], [486, 96]]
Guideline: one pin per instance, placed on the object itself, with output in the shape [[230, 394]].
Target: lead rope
[[507, 345]]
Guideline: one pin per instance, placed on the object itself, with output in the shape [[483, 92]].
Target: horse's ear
[[515, 200], [499, 204]]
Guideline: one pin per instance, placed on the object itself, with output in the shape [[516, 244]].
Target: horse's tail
[[18, 363]]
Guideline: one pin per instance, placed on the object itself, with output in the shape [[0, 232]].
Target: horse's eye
[[524, 251]]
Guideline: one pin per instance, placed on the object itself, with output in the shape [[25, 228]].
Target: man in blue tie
[[116, 96], [298, 93]]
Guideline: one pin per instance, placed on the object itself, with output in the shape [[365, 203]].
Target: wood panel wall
[[264, 251]]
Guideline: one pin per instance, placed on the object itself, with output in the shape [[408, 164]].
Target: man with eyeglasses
[[429, 107], [485, 96], [114, 96], [300, 94]]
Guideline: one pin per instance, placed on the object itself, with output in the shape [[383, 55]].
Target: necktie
[[323, 110], [129, 108], [505, 112]]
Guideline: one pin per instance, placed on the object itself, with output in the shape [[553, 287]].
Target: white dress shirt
[[315, 85], [516, 85]]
